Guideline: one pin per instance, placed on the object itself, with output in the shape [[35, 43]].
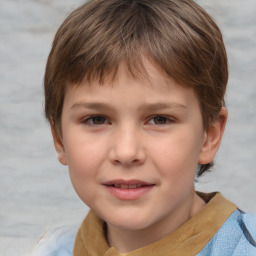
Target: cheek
[[83, 171], [83, 152], [176, 156], [84, 162]]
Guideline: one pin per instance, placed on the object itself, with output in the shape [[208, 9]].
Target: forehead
[[150, 87], [148, 74]]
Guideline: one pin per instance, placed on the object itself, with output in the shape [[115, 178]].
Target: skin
[[145, 129]]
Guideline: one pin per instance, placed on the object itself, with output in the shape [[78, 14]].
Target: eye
[[159, 120], [95, 120]]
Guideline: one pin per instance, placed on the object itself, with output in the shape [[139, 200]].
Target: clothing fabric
[[218, 229], [57, 242]]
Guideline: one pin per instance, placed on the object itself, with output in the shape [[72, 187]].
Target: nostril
[[127, 156]]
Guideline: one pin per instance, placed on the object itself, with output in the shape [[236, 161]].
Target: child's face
[[133, 147]]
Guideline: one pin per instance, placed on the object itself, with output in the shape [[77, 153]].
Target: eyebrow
[[91, 105], [145, 107], [159, 106]]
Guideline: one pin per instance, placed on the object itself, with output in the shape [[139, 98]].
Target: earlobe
[[59, 147], [212, 139]]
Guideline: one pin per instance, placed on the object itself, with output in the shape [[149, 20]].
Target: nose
[[127, 147]]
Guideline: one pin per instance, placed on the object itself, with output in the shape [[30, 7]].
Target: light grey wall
[[35, 189]]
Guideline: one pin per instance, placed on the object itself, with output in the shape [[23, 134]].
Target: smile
[[125, 186], [128, 190]]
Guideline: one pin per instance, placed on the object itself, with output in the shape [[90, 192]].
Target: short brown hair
[[177, 35]]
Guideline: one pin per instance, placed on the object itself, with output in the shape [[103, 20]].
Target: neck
[[125, 240]]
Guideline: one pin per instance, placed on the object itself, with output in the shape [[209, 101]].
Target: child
[[134, 93]]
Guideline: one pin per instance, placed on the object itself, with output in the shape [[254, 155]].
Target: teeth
[[133, 186], [126, 186]]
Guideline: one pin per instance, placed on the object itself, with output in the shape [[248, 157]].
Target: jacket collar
[[189, 239]]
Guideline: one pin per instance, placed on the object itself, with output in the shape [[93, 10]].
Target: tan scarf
[[187, 240]]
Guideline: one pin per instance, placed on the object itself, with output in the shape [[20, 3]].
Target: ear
[[212, 138], [59, 147]]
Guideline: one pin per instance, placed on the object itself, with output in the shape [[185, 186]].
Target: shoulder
[[236, 237], [247, 223], [57, 242]]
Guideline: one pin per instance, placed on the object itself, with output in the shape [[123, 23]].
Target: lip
[[128, 189]]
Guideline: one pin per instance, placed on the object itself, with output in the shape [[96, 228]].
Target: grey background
[[35, 189]]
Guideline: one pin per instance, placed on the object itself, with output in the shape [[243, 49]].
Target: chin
[[128, 221]]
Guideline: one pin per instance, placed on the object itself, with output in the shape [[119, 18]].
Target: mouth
[[128, 190], [132, 184], [126, 186]]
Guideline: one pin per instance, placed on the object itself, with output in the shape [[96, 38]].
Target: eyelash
[[164, 118], [91, 120]]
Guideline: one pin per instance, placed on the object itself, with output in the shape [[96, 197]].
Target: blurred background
[[35, 191]]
